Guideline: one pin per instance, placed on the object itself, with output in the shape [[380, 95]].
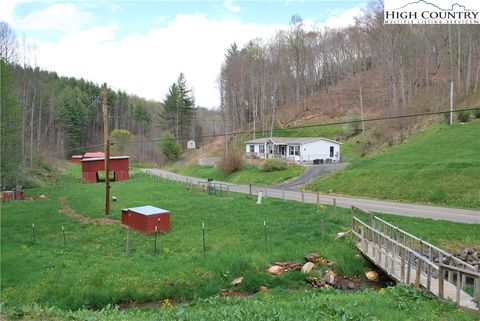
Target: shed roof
[[93, 154], [103, 158], [147, 210], [77, 156], [290, 140]]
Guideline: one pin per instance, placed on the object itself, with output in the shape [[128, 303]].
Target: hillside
[[439, 165]]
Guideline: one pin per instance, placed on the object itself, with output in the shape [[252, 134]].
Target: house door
[[282, 149]]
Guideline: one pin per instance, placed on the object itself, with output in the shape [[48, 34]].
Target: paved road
[[404, 209], [311, 173]]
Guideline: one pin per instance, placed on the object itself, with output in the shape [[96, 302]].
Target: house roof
[[146, 210], [289, 140], [92, 159]]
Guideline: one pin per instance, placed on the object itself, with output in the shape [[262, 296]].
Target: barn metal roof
[[103, 158], [147, 210], [289, 140], [93, 154]]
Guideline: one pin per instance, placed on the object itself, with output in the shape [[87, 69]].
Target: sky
[[142, 46]]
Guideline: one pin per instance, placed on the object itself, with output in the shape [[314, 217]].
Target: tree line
[[44, 115], [368, 68]]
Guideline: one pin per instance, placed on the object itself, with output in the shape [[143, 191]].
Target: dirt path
[[67, 210]]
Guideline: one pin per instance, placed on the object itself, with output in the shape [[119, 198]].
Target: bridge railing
[[390, 251], [461, 274]]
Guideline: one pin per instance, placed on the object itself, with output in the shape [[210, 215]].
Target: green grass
[[92, 271], [440, 165], [394, 304], [249, 174]]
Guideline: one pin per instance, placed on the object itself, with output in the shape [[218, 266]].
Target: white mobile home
[[294, 149]]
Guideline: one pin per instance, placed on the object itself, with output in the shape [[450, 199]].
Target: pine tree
[[178, 109], [10, 128]]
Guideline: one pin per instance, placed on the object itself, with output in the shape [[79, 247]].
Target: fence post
[[250, 187], [418, 273], [283, 192], [33, 231], [334, 206], [459, 285], [64, 238], [441, 276], [265, 191], [322, 228], [303, 196], [409, 266], [127, 244], [318, 201]]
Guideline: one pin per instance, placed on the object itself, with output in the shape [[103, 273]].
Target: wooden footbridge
[[410, 260]]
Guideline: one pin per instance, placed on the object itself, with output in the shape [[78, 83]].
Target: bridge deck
[[391, 264]]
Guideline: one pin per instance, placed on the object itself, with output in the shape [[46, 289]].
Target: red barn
[[91, 167], [76, 159], [146, 218]]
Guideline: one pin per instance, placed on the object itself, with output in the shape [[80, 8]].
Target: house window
[[270, 149], [261, 149], [252, 148], [294, 150], [331, 151]]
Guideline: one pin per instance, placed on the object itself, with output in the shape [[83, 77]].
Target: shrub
[[169, 146], [464, 116], [120, 139], [231, 162], [476, 112], [351, 129], [274, 164]]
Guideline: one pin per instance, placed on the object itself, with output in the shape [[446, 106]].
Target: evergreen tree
[[73, 114], [10, 128], [178, 109]]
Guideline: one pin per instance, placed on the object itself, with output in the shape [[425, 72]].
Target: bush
[[476, 112], [169, 146], [120, 139], [231, 163], [351, 129], [464, 116], [274, 164]]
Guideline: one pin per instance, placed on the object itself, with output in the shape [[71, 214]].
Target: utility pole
[[106, 140], [451, 102]]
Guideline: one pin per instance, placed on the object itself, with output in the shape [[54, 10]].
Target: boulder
[[312, 257], [329, 277], [307, 267], [275, 270], [263, 288], [42, 197], [372, 276], [237, 281]]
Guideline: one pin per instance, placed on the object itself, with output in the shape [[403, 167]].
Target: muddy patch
[[164, 304], [67, 210]]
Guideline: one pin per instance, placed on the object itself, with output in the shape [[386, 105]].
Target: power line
[[288, 128]]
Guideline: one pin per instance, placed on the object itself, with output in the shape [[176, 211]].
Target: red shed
[[146, 218], [76, 159], [91, 167]]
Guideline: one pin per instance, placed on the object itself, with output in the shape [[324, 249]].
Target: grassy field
[[393, 304], [249, 174], [440, 165], [92, 270]]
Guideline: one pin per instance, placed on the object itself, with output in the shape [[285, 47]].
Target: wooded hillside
[[369, 68]]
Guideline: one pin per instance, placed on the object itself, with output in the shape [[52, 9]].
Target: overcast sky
[[142, 46]]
